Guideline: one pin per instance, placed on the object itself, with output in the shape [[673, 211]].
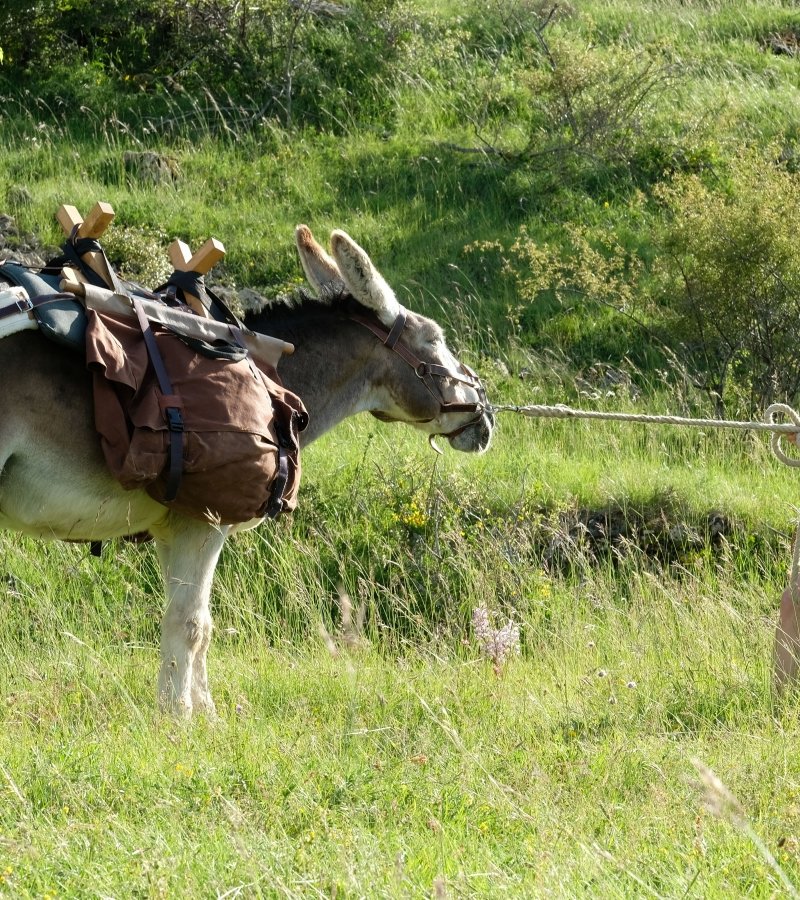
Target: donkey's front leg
[[188, 553]]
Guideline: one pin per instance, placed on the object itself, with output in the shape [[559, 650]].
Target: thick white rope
[[560, 411], [771, 423]]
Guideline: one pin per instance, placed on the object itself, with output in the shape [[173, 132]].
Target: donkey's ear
[[320, 269], [363, 280]]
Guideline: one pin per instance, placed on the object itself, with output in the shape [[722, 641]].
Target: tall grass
[[642, 565], [390, 771]]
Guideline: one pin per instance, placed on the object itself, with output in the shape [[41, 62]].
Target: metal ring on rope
[[771, 416]]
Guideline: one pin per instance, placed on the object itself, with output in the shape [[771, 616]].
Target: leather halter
[[429, 372]]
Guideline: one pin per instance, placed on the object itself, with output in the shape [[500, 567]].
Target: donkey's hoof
[[177, 707], [203, 703]]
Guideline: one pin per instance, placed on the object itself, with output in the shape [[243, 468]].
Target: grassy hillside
[[529, 180], [481, 121]]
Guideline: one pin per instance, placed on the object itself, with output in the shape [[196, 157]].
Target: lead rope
[[567, 412], [770, 423]]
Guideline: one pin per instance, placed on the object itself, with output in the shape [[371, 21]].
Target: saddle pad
[[63, 320], [19, 320]]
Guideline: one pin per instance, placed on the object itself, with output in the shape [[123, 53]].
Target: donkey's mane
[[292, 310]]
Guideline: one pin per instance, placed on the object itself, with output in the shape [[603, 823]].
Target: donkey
[[357, 349]]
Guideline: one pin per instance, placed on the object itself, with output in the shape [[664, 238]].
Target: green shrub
[[577, 294], [728, 278], [550, 98], [138, 253], [715, 285]]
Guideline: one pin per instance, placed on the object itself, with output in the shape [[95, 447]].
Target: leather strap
[[74, 249], [397, 329], [275, 505], [425, 371], [170, 404], [221, 311], [194, 283], [29, 304], [286, 442]]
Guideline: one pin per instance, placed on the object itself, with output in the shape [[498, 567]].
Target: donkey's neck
[[330, 369], [329, 394]]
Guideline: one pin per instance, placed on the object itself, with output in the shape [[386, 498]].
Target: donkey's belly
[[53, 478], [46, 497]]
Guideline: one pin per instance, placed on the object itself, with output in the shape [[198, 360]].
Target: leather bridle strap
[[427, 372], [397, 329]]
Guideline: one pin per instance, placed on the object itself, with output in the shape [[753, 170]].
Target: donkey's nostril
[[475, 437]]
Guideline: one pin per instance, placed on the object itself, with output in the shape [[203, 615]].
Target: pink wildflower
[[495, 644]]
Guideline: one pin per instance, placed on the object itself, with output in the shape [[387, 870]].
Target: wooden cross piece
[[92, 226], [71, 281], [202, 262]]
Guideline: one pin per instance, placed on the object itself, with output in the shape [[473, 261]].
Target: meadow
[[366, 743]]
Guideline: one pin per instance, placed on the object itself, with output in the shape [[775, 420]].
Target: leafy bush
[[722, 292], [590, 105], [728, 279], [138, 253], [578, 294], [560, 102]]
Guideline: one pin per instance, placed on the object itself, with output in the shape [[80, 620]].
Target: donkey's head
[[418, 380]]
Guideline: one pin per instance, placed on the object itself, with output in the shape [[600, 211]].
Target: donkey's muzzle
[[475, 436]]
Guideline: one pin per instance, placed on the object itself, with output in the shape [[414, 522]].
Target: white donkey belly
[[56, 485], [54, 482], [50, 497]]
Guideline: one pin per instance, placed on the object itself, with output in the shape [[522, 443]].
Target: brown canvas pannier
[[232, 423]]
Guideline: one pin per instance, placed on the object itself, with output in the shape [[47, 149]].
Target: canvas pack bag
[[204, 429]]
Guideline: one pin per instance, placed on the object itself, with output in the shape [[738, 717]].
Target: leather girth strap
[[170, 404]]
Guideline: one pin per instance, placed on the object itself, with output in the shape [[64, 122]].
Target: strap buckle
[[174, 418], [24, 304]]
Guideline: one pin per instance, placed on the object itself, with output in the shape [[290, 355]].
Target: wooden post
[[71, 281], [92, 226], [180, 255]]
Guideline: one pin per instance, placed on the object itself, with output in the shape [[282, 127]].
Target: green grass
[[386, 773], [405, 764], [396, 761]]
